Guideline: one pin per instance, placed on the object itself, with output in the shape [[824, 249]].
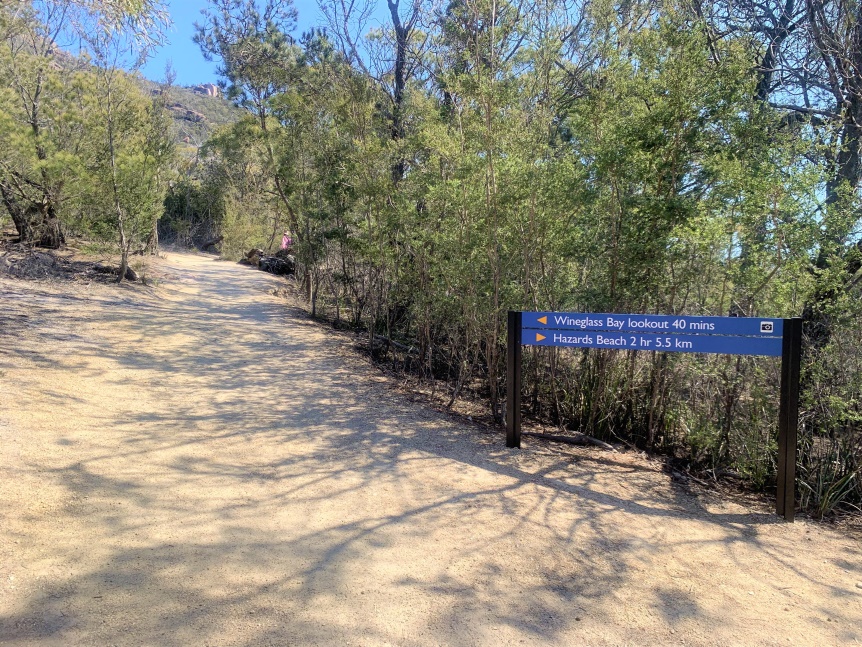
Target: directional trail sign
[[669, 334]]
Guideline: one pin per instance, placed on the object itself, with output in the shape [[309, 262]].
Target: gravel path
[[200, 465]]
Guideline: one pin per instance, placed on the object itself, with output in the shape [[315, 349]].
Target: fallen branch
[[578, 439], [210, 243], [716, 474], [101, 268], [686, 476], [698, 481], [402, 347]]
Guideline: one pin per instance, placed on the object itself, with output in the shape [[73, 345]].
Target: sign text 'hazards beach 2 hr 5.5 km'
[[662, 333]]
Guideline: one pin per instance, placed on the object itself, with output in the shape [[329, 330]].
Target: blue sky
[[186, 57]]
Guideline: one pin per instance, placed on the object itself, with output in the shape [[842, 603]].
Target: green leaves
[[615, 158], [254, 46]]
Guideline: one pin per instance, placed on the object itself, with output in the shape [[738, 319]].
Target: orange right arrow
[[539, 336], [543, 320]]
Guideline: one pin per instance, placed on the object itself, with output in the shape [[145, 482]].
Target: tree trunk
[[841, 52], [51, 234], [151, 247], [402, 37], [36, 224], [17, 212], [776, 36]]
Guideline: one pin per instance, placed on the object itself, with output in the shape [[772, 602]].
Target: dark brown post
[[788, 418], [513, 381]]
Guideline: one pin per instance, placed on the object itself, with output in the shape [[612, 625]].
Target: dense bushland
[[84, 149], [478, 156]]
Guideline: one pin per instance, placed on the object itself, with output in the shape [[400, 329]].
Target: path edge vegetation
[[468, 158]]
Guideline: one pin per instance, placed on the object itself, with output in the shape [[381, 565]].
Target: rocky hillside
[[197, 112]]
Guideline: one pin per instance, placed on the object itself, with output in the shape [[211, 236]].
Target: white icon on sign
[[766, 326]]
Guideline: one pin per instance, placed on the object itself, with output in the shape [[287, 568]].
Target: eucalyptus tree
[[258, 61], [392, 56], [132, 136], [34, 178], [808, 59]]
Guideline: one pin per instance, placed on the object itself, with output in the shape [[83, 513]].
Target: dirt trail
[[199, 465]]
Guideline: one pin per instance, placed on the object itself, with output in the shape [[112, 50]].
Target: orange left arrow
[[539, 336], [543, 320]]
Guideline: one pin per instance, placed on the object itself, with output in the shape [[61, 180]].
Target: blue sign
[[655, 342], [667, 324]]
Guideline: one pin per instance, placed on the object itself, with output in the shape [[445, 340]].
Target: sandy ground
[[197, 464]]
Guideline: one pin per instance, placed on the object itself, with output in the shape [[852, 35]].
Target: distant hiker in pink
[[286, 241]]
